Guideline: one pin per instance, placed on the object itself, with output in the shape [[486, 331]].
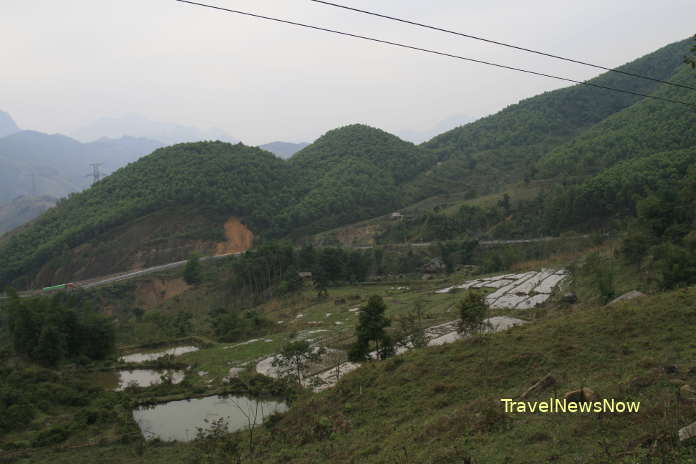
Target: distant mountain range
[[34, 163], [35, 166], [7, 124], [283, 150], [135, 125]]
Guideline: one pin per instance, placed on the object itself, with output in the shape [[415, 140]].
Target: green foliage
[[231, 179], [214, 444], [411, 327], [50, 329], [230, 325], [502, 148], [691, 59], [33, 398], [370, 332], [192, 272], [457, 252], [295, 357], [662, 232], [602, 276], [472, 313], [469, 221]]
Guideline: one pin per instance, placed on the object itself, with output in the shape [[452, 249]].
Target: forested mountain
[[214, 175], [283, 149], [349, 174], [598, 150], [646, 128], [55, 165], [7, 124], [503, 148], [352, 173]]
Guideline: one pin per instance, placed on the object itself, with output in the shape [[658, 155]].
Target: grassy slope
[[441, 404]]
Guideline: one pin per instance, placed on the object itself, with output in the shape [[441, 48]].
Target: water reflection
[[119, 380], [151, 355], [180, 420]]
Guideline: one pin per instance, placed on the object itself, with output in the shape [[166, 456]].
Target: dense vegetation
[[321, 186], [502, 148], [599, 148], [50, 329], [213, 175]]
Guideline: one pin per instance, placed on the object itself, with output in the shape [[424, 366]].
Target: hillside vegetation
[[272, 196], [502, 148], [568, 141]]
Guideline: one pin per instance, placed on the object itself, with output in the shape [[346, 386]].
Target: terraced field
[[516, 291]]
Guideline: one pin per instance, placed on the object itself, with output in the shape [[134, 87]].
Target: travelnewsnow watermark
[[561, 405]]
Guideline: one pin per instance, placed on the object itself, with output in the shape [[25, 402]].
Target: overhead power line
[[435, 52], [503, 44]]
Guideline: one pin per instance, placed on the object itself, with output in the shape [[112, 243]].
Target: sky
[[68, 63]]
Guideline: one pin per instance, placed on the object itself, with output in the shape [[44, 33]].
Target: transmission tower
[[96, 174]]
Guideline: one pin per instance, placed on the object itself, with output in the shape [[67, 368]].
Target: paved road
[[481, 242], [99, 281], [105, 280]]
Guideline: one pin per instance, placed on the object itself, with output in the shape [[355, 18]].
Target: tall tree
[[472, 313], [370, 332]]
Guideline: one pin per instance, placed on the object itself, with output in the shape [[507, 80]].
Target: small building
[[305, 275], [396, 216]]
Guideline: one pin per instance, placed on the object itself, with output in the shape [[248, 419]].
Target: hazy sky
[[67, 63]]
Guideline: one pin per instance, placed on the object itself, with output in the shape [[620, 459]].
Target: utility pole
[[96, 174]]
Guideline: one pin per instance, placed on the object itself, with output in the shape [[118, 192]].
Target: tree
[[50, 329], [505, 203], [691, 59], [321, 283], [180, 324], [295, 356], [411, 332], [51, 347], [370, 331], [192, 271], [306, 258], [472, 313], [336, 359]]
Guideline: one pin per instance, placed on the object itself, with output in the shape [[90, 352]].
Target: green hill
[[214, 176], [502, 148], [561, 138], [352, 173], [349, 174]]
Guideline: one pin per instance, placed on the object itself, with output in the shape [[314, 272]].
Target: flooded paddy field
[[181, 420]]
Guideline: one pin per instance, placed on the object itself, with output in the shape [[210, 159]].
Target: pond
[[180, 420], [151, 355], [119, 380]]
